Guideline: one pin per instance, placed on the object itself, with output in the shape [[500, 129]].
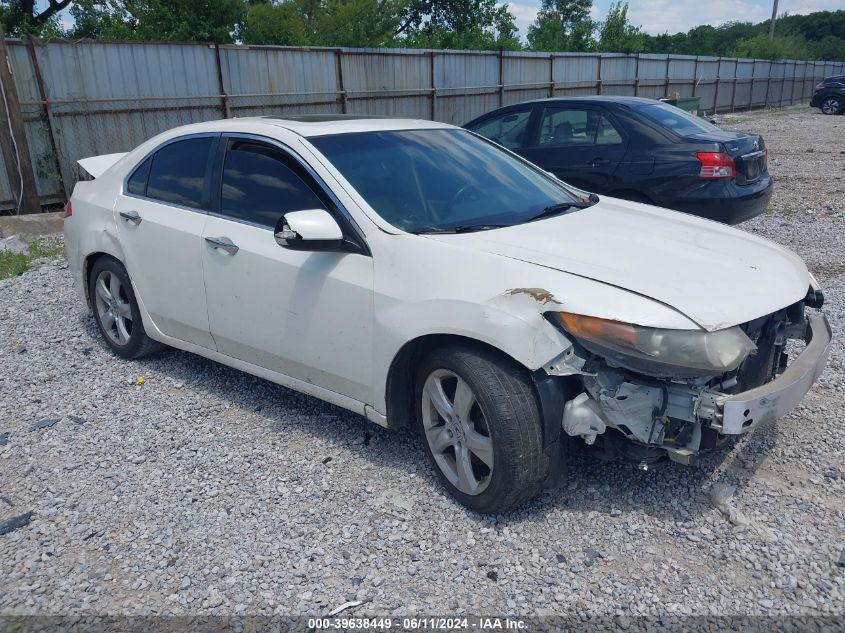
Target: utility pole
[[774, 17]]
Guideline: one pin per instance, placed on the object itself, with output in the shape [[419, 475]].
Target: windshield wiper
[[556, 209], [460, 228]]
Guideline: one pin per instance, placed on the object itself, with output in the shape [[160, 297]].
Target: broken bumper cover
[[739, 413]]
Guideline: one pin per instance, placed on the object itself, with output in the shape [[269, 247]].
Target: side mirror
[[313, 229]]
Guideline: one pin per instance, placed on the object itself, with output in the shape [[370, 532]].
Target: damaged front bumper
[[741, 412], [676, 417]]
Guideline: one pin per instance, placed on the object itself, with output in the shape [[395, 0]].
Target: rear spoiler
[[95, 166]]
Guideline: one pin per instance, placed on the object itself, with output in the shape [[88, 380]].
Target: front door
[[160, 218], [579, 145], [305, 314]]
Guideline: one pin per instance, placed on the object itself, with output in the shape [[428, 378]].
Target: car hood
[[715, 275]]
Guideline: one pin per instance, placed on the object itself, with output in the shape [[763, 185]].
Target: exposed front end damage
[[646, 417]]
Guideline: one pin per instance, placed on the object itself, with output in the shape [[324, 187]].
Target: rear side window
[[259, 186], [177, 173], [137, 183], [677, 120]]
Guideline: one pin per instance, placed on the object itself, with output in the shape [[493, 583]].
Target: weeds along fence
[[81, 98]]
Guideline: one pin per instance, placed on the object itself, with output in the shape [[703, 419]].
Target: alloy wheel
[[830, 105], [113, 308], [457, 432]]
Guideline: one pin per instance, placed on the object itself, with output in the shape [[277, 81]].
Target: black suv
[[830, 95]]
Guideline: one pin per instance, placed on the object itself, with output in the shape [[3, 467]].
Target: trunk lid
[[747, 150]]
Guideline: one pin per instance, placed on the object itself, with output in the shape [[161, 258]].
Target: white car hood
[[715, 275]]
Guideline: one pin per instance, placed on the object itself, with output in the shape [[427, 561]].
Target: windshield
[[677, 120], [439, 180]]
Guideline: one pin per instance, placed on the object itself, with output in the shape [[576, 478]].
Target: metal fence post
[[598, 75], [433, 89], [637, 77], [224, 98], [718, 81], [551, 75], [695, 77], [48, 111], [341, 90], [501, 77], [13, 140], [666, 82]]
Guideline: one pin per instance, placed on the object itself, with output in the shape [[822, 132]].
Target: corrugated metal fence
[[84, 98]]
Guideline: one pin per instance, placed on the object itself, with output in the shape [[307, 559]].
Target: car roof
[[311, 125], [625, 100]]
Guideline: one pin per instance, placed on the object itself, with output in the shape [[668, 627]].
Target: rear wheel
[[479, 422], [116, 310], [832, 105]]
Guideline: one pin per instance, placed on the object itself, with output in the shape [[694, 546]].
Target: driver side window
[[259, 187], [508, 130]]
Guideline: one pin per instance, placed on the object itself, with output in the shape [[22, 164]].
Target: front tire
[[116, 310], [479, 422], [832, 105]]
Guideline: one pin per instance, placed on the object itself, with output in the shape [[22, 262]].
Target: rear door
[[580, 145], [305, 314], [160, 215]]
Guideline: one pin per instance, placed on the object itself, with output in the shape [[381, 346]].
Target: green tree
[[177, 20], [478, 24], [830, 48], [617, 34], [281, 24], [761, 47], [458, 24], [562, 25], [23, 17]]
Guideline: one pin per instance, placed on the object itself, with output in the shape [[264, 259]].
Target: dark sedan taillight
[[716, 165], [819, 86]]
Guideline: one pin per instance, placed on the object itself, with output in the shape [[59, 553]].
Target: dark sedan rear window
[[681, 122]]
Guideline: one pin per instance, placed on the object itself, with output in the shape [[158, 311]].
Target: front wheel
[[832, 105], [479, 422]]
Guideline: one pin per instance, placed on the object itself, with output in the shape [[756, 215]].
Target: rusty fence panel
[[84, 98]]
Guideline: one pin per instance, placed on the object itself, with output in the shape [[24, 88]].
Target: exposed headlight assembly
[[656, 351]]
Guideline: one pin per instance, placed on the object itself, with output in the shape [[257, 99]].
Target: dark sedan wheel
[[480, 424], [832, 105], [116, 310]]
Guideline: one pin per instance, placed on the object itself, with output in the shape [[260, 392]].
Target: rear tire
[[116, 310], [479, 423], [832, 105]]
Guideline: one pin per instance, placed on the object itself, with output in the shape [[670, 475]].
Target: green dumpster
[[689, 104]]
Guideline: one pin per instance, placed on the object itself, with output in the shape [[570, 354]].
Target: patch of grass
[[15, 264]]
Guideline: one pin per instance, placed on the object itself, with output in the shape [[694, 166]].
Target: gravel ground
[[207, 491]]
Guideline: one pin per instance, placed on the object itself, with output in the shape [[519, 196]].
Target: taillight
[[68, 209], [820, 86], [716, 165]]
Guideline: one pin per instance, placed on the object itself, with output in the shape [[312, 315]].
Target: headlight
[[660, 352]]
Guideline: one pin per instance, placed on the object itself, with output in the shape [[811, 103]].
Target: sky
[[659, 16]]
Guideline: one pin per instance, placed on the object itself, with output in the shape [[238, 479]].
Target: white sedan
[[423, 276]]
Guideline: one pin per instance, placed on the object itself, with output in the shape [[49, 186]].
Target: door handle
[[597, 162], [223, 244], [131, 216]]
